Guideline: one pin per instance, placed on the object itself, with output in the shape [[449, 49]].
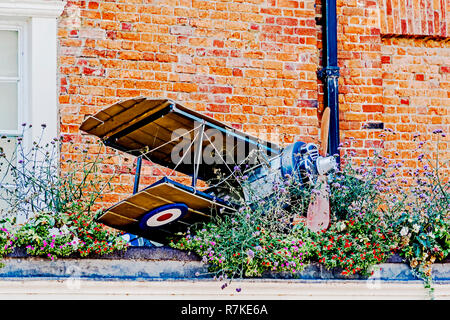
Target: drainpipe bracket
[[327, 72]]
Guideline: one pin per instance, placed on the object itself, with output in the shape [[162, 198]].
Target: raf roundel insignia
[[163, 215]]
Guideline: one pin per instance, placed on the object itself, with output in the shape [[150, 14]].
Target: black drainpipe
[[329, 74]]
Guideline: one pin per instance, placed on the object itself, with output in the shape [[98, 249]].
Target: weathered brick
[[253, 64], [185, 87]]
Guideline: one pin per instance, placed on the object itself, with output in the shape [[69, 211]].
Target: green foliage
[[423, 221], [377, 208], [354, 245], [46, 235], [250, 251], [50, 212], [6, 239], [95, 239], [64, 234]]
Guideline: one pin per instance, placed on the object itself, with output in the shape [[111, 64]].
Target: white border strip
[[32, 8]]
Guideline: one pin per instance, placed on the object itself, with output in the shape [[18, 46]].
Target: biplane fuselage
[[217, 157]]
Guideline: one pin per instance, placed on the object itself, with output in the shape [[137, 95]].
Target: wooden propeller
[[318, 215], [324, 130]]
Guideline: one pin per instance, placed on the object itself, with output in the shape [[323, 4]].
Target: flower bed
[[49, 210], [378, 209]]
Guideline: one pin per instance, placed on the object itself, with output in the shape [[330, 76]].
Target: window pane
[[4, 207], [8, 147], [8, 106], [8, 53]]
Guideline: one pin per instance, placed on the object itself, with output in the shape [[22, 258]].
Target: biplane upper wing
[[143, 126]]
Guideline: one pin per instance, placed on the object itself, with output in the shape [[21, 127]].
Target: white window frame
[[37, 22], [39, 97], [20, 27]]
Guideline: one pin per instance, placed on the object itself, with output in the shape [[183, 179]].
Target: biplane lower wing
[[164, 202]]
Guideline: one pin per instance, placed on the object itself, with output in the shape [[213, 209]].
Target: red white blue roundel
[[163, 215]]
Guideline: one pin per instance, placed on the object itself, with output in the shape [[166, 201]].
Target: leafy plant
[[56, 204], [47, 235], [256, 238], [354, 245], [61, 235], [377, 208], [6, 239], [423, 224]]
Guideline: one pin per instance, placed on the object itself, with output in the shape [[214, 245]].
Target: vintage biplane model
[[211, 153]]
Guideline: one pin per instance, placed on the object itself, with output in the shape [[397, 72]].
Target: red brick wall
[[392, 77], [360, 84], [415, 17], [416, 95], [250, 64], [253, 64]]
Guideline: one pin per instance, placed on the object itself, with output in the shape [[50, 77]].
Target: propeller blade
[[324, 130], [318, 215]]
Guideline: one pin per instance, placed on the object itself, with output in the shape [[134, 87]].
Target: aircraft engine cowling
[[299, 161], [302, 160]]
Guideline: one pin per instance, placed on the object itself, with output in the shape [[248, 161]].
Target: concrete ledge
[[133, 264], [144, 253], [256, 289], [165, 273], [166, 263]]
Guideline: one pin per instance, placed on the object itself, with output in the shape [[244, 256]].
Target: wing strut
[[198, 153]]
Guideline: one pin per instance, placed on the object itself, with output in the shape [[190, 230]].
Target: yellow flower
[[404, 240]]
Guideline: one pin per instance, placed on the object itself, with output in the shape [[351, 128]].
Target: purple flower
[[238, 289], [250, 253], [437, 131], [335, 185]]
